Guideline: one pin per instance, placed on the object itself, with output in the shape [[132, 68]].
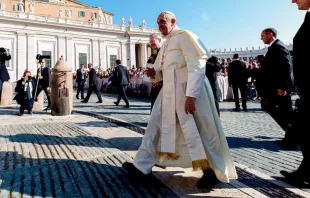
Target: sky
[[219, 23]]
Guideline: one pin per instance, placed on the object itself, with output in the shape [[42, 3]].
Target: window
[[7, 63], [113, 59], [81, 14], [95, 15], [83, 59], [48, 61], [2, 6]]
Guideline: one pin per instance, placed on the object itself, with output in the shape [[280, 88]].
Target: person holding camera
[[4, 74], [25, 89], [44, 75]]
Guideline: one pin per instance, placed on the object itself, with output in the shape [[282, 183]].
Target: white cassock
[[174, 138]]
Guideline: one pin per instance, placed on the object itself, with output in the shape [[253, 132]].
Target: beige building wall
[[50, 9]]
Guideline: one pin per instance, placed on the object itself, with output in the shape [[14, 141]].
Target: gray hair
[[156, 36]]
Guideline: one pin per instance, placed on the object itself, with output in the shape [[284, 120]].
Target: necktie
[[28, 91]]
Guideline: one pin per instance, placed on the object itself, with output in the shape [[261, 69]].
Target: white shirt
[[26, 86]]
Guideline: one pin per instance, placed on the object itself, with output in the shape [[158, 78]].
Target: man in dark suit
[[121, 80], [212, 67], [277, 78], [93, 85], [301, 51], [4, 74], [25, 88], [156, 43], [44, 74], [237, 78], [80, 79]]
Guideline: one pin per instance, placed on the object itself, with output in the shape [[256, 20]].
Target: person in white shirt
[[184, 129]]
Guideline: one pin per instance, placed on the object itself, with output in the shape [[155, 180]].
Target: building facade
[[246, 54], [78, 32]]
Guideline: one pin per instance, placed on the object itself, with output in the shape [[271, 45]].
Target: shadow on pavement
[[100, 177]]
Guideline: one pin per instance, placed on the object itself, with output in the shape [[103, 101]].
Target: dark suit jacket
[[20, 90], [301, 54], [277, 70], [46, 74], [121, 76], [4, 74], [79, 75], [212, 67], [237, 73], [93, 79]]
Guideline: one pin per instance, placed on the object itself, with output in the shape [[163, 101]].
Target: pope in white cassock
[[184, 128]]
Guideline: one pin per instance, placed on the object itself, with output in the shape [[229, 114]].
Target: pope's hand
[[190, 106], [150, 72]]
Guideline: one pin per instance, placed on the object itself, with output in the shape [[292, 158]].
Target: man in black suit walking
[[44, 74], [277, 78], [80, 79], [301, 51], [121, 80], [4, 74], [93, 85], [237, 78], [156, 43]]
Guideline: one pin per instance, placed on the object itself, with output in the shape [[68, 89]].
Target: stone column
[[124, 54], [21, 55], [95, 52], [102, 55], [70, 53], [143, 54], [132, 52], [61, 47], [31, 54]]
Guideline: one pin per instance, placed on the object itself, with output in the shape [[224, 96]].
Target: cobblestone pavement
[[250, 134], [45, 156]]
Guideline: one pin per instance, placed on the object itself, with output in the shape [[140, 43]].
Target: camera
[[39, 57], [29, 78]]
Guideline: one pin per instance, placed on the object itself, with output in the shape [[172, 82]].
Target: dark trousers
[[90, 91], [154, 93], [122, 94], [303, 120], [242, 88], [280, 109], [40, 88], [1, 84], [216, 100], [26, 104], [80, 89]]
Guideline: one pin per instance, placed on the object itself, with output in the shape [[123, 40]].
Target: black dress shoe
[[208, 180], [126, 106], [115, 103], [132, 170], [295, 179], [245, 109], [47, 108], [77, 97], [99, 102], [237, 109], [83, 101]]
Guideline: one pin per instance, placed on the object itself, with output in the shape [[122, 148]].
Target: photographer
[[25, 89], [4, 74]]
